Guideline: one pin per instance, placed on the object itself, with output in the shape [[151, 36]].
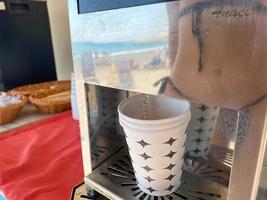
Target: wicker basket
[[11, 112], [50, 106], [42, 88]]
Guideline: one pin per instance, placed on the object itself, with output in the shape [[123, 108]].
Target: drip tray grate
[[207, 170], [115, 179], [102, 149], [221, 155]]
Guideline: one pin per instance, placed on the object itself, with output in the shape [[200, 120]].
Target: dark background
[[87, 6], [26, 53]]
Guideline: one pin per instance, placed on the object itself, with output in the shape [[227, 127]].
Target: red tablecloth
[[41, 161]]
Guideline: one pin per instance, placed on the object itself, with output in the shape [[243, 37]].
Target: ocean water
[[81, 47]]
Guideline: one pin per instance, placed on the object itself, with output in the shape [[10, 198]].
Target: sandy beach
[[130, 70]]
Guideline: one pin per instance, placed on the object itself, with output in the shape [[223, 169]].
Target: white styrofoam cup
[[155, 132]]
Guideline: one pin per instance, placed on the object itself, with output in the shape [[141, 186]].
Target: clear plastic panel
[[211, 52]]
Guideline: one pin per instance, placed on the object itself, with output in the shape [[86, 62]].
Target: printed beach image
[[121, 52], [123, 65]]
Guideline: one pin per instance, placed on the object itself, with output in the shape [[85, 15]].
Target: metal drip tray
[[221, 155], [215, 167], [80, 192], [115, 179], [207, 170], [101, 149]]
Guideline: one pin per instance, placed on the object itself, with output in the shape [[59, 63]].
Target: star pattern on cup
[[147, 168], [198, 140], [143, 143], [149, 179], [196, 151], [171, 154], [170, 141], [203, 108], [199, 130], [145, 156], [201, 119], [170, 177], [170, 167], [170, 188]]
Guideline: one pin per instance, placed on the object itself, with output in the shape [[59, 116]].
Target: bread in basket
[[42, 88], [10, 107], [52, 101]]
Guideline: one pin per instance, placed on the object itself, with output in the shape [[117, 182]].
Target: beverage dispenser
[[211, 53]]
